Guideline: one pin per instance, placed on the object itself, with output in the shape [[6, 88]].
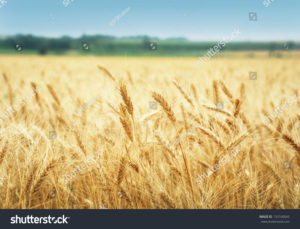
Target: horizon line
[[2, 36]]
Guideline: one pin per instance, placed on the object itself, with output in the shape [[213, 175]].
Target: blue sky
[[193, 19]]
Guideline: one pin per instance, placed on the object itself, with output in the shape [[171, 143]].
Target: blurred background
[[155, 28]]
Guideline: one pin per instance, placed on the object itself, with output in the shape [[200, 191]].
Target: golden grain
[[155, 162]]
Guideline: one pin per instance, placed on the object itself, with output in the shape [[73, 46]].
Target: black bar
[[155, 218]]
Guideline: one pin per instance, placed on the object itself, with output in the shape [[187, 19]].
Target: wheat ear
[[126, 99], [9, 88], [225, 90], [36, 95], [215, 92], [166, 107], [43, 175], [167, 200], [217, 110], [3, 152], [125, 121], [187, 98], [212, 136], [106, 72], [52, 92], [121, 170], [237, 106]]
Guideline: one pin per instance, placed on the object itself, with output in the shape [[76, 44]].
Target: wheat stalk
[[272, 172], [126, 99], [212, 136], [166, 107], [194, 91], [121, 170], [187, 98], [291, 142], [10, 93], [79, 142], [242, 91], [43, 175], [225, 90], [167, 200], [216, 92], [52, 92], [218, 110], [106, 72], [3, 152], [37, 98], [237, 106], [125, 121]]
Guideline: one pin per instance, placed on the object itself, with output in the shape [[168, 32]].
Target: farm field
[[149, 133]]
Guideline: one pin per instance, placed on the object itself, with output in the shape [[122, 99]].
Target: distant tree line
[[135, 45]]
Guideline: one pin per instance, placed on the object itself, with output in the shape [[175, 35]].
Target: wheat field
[[149, 133]]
